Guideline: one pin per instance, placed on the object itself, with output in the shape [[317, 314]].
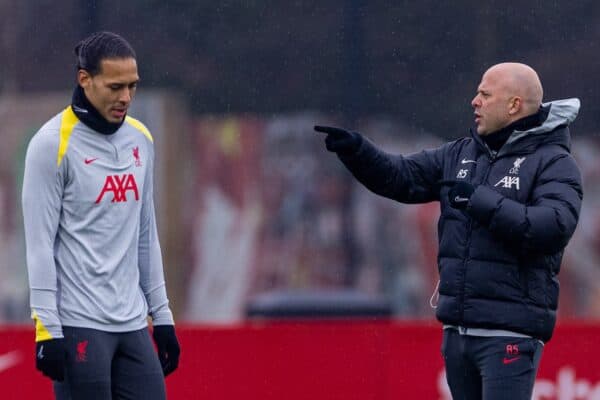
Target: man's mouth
[[118, 112]]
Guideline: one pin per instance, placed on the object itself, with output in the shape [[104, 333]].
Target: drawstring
[[435, 296]]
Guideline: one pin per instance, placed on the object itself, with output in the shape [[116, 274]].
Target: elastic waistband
[[485, 332]]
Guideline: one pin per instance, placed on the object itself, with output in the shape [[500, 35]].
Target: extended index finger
[[329, 129]]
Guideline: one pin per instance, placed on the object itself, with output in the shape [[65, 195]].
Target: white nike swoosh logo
[[9, 360], [465, 161], [79, 109], [459, 199]]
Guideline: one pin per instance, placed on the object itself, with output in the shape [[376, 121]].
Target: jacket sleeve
[[546, 224], [152, 279], [43, 185], [407, 179]]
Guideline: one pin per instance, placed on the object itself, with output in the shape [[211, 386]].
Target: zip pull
[[435, 296]]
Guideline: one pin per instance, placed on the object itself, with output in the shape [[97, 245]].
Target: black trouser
[[104, 366], [490, 368]]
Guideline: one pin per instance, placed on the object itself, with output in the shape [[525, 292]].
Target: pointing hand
[[339, 140]]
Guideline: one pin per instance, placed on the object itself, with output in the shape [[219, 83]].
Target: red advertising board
[[321, 360]]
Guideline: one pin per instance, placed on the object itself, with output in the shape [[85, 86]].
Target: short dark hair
[[99, 46]]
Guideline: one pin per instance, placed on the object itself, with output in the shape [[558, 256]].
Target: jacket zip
[[467, 257], [116, 151]]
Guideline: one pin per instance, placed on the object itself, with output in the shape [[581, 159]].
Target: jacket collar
[[524, 139]]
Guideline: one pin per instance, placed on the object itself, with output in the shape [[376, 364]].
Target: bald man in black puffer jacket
[[510, 196]]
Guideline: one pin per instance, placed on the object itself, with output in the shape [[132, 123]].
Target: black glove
[[460, 194], [339, 140], [167, 346], [51, 357]]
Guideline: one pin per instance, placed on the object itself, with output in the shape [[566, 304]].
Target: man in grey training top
[[93, 255]]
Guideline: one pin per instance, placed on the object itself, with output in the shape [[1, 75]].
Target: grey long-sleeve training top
[[93, 254]]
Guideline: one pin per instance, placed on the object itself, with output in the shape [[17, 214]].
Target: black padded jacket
[[498, 259]]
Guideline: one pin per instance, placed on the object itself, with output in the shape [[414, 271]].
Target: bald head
[[520, 80], [507, 93]]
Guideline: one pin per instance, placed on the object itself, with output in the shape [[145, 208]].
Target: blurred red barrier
[[321, 360]]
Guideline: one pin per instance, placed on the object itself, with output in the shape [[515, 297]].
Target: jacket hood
[[560, 113]]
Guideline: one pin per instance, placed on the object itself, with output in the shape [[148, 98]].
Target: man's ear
[[84, 78], [514, 105]]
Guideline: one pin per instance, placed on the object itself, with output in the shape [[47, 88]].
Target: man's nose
[[475, 102], [125, 96]]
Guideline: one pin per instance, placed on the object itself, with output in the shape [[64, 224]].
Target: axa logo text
[[508, 182], [119, 185]]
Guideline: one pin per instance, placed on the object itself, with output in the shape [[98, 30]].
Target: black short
[[490, 368], [110, 366]]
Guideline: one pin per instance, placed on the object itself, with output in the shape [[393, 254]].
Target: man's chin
[[115, 120], [480, 131]]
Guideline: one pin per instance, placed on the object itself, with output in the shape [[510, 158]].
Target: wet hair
[[100, 46]]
